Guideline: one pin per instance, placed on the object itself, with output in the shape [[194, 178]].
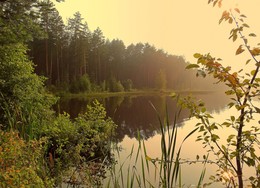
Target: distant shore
[[144, 92]]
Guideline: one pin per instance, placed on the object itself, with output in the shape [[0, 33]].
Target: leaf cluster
[[243, 88], [73, 142], [21, 163], [25, 104]]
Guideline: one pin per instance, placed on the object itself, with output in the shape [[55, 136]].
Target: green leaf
[[248, 61], [234, 37], [203, 110], [214, 137], [191, 66], [239, 50], [230, 20], [230, 137], [227, 124], [229, 92], [148, 158], [231, 104], [245, 25], [197, 55], [173, 95], [252, 72], [252, 35]]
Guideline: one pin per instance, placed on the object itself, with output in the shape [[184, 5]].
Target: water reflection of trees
[[136, 113]]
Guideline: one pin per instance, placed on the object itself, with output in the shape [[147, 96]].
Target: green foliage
[[17, 20], [83, 84], [115, 86], [22, 163], [72, 143], [68, 52], [95, 126], [242, 146], [127, 84], [25, 107], [24, 102]]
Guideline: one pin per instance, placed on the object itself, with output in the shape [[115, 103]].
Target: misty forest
[[68, 54], [71, 101]]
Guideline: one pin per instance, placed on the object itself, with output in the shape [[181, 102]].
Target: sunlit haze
[[178, 27]]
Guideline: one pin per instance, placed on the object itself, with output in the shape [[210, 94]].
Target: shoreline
[[135, 93]]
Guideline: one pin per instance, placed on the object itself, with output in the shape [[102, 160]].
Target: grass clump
[[163, 172]]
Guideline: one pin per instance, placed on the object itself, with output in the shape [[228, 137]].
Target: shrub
[[115, 86], [25, 105], [128, 84], [84, 83], [21, 163], [73, 142]]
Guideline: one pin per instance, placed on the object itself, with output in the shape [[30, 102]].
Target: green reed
[[163, 172]]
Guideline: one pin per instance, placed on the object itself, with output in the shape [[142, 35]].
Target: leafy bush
[[21, 163], [115, 86], [84, 84], [128, 84], [24, 102], [74, 142], [95, 128]]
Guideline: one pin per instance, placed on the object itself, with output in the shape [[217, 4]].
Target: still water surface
[[135, 113]]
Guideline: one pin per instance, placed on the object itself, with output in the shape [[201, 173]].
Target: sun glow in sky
[[179, 27]]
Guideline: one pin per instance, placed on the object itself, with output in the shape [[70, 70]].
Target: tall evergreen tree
[[79, 35], [97, 44], [17, 21], [117, 51]]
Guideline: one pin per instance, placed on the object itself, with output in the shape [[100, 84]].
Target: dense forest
[[74, 58]]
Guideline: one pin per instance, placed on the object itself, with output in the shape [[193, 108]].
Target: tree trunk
[[46, 58], [58, 66]]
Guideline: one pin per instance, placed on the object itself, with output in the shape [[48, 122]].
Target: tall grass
[[163, 172], [16, 118]]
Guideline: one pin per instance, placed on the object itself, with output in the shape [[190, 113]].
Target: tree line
[[73, 57]]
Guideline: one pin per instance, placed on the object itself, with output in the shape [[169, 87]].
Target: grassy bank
[[142, 92]]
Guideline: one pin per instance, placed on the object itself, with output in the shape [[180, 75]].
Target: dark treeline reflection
[[136, 113]]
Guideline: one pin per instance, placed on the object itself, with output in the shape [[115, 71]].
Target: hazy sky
[[177, 26]]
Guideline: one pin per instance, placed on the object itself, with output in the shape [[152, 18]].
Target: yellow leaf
[[232, 80], [255, 51], [148, 158], [225, 15], [237, 10], [252, 72], [220, 4]]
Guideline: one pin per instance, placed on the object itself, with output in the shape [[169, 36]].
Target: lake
[[135, 113]]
